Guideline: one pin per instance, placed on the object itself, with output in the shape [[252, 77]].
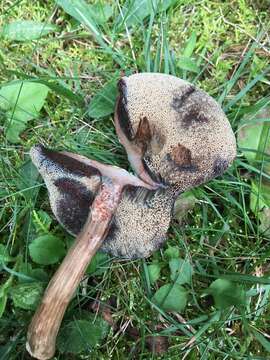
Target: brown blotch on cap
[[73, 206], [182, 162], [181, 155], [193, 117], [68, 163], [143, 135], [123, 119], [179, 99]]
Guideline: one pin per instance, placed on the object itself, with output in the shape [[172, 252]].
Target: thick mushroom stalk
[[45, 324]]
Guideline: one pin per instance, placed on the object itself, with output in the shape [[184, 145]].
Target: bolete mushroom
[[97, 189], [172, 131], [176, 137]]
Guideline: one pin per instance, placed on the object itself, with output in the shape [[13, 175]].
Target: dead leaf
[[105, 310], [157, 344]]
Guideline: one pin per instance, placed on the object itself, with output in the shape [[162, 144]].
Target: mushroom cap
[[72, 186], [180, 133]]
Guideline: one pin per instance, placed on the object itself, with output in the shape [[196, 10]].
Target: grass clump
[[222, 242]]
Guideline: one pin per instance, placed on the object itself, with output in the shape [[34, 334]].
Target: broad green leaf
[[227, 293], [81, 335], [99, 264], [103, 103], [24, 30], [171, 297], [4, 255], [183, 204], [27, 296], [186, 63], [102, 13], [32, 275], [171, 252], [135, 11], [181, 271], [86, 14], [22, 102], [154, 272], [47, 249], [27, 180], [190, 46], [56, 85], [254, 138]]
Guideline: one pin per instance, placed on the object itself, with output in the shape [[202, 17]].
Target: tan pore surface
[[207, 135], [142, 225]]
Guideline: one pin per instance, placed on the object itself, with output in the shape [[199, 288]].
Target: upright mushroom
[[176, 137]]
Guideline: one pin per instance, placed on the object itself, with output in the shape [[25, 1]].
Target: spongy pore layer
[[191, 137], [140, 223]]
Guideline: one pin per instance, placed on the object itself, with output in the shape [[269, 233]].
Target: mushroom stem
[[45, 324]]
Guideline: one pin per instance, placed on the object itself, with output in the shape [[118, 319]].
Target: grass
[[225, 50]]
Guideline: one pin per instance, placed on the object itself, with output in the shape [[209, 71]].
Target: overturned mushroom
[[176, 137], [93, 185]]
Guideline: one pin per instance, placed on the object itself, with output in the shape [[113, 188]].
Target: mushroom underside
[[173, 132], [141, 220]]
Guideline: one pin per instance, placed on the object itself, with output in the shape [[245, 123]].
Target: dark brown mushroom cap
[[180, 133], [72, 186]]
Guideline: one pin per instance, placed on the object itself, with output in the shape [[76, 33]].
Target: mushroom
[[89, 184], [173, 132], [176, 137]]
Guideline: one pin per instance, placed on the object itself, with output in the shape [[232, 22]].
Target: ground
[[214, 267]]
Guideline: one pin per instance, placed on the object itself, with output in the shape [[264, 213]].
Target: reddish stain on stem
[[105, 204]]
